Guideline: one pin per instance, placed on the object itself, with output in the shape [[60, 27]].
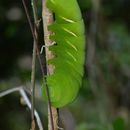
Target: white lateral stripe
[[71, 45], [70, 32], [53, 1], [68, 20], [71, 56]]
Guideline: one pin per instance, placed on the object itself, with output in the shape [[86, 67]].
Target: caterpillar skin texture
[[68, 33]]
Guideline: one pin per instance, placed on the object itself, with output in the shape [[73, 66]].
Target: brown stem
[[36, 26], [47, 20]]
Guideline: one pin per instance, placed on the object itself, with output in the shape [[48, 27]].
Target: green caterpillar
[[68, 33]]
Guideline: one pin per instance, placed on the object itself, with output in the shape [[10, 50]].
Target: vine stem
[[36, 27], [47, 20]]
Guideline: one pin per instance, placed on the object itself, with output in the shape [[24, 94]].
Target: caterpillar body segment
[[65, 11], [63, 94], [76, 67], [73, 41], [72, 29]]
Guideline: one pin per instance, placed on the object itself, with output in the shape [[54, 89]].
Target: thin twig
[[34, 37], [26, 99], [36, 27], [6, 92], [33, 85]]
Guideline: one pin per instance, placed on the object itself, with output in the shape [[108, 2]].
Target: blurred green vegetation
[[104, 99]]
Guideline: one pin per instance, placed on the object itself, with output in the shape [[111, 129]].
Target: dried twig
[[26, 99], [33, 86], [36, 27]]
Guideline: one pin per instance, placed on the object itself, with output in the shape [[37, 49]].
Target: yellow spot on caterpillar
[[68, 20], [70, 32], [71, 45], [71, 56]]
